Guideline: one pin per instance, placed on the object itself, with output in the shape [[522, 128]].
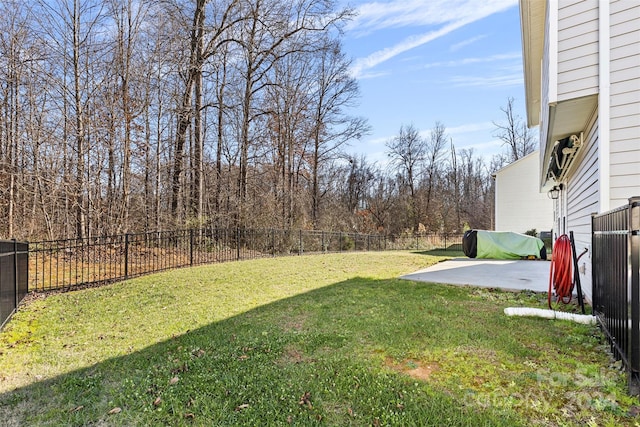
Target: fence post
[[238, 243], [634, 279], [126, 256], [15, 272], [191, 247], [273, 242], [594, 257], [300, 242]]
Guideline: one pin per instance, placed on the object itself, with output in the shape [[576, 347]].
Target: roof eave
[[532, 14]]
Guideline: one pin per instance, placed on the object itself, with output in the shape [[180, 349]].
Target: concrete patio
[[503, 274]]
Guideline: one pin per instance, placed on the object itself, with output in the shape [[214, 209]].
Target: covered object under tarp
[[502, 245]]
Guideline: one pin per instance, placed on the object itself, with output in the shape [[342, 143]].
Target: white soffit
[[532, 18]]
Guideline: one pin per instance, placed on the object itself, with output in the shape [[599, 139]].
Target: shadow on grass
[[316, 358]]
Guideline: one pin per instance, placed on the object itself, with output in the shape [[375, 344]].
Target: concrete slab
[[504, 274]]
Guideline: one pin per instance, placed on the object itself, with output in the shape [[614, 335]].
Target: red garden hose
[[560, 276]]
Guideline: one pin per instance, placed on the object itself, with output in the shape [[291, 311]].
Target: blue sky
[[422, 61]]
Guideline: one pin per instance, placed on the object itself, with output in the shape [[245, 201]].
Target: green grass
[[314, 340]]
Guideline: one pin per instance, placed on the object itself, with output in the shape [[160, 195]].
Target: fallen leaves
[[305, 400], [241, 407], [115, 410], [180, 369]]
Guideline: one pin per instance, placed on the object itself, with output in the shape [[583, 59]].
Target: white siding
[[625, 101], [577, 48], [519, 204], [582, 201]]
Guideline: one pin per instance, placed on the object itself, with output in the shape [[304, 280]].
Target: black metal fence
[[616, 283], [73, 263], [14, 276]]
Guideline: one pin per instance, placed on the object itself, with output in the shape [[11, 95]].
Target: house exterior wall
[[590, 84], [580, 201], [570, 69], [577, 48], [519, 204], [612, 138], [624, 124]]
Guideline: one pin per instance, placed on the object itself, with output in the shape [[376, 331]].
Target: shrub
[[346, 243]]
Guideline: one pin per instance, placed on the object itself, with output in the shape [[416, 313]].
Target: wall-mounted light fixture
[[554, 193]]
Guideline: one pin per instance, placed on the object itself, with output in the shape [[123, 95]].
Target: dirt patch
[[293, 355], [294, 324], [414, 368]]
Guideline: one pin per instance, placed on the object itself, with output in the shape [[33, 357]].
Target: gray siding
[[582, 200], [577, 48], [625, 101]]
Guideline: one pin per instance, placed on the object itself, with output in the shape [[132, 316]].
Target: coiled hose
[[561, 270]]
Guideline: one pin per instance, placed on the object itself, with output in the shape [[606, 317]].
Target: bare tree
[[128, 18], [407, 153], [514, 133], [71, 30], [13, 34], [273, 31], [335, 91], [435, 154], [200, 50]]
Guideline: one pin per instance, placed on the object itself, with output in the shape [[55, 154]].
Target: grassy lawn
[[314, 340]]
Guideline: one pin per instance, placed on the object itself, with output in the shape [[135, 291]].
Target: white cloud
[[362, 64], [448, 15], [467, 42], [373, 75], [470, 127], [501, 80], [486, 149], [478, 60], [375, 16], [379, 140]]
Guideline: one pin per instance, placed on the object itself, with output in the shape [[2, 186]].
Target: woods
[[123, 116]]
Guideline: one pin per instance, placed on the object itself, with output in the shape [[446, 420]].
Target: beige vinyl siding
[[625, 101], [582, 200], [577, 49], [519, 204]]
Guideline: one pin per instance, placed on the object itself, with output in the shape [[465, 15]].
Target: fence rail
[[73, 263], [13, 276], [616, 283]]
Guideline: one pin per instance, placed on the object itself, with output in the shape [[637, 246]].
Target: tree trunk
[[79, 203], [186, 109]]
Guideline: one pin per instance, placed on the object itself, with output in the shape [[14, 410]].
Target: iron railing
[[616, 283], [14, 278], [72, 263]]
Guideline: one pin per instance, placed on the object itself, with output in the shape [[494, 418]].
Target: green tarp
[[507, 245]]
